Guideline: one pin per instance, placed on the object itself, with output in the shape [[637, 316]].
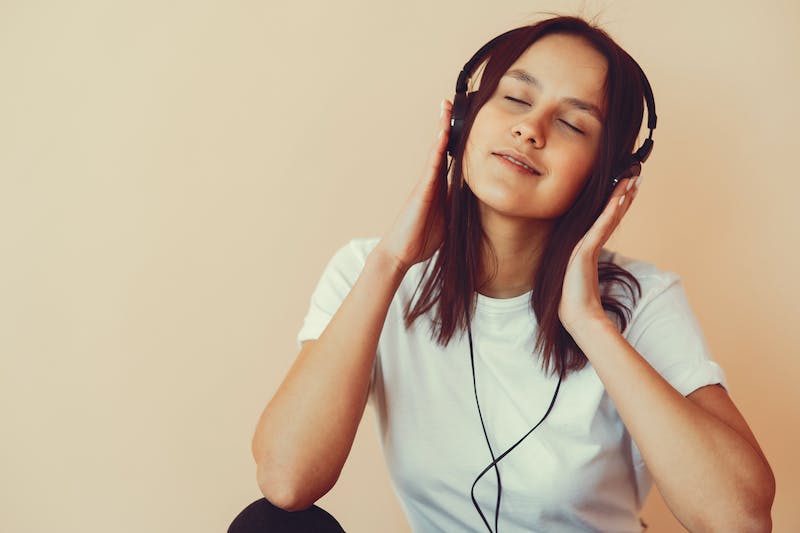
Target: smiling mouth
[[520, 164]]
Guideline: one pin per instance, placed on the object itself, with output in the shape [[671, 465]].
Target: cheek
[[572, 172], [483, 136], [575, 190], [472, 152], [563, 200], [479, 132], [576, 165]]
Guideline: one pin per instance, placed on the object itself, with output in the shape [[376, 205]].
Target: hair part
[[449, 279]]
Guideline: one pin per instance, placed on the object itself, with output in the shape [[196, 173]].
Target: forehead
[[565, 63]]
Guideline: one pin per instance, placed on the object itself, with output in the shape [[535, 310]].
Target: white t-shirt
[[578, 471]]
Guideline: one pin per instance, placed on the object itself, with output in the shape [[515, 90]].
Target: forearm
[[306, 431], [705, 470]]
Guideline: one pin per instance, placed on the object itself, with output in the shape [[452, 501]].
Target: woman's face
[[547, 111]]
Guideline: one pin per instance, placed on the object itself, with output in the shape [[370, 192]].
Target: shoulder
[[352, 255], [657, 284], [664, 329], [643, 270], [648, 274]]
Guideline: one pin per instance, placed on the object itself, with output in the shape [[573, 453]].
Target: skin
[[518, 210], [704, 459]]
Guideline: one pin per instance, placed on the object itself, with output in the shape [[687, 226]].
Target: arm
[[306, 431], [703, 457]]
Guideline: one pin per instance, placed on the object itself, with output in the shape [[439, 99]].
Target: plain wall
[[175, 175]]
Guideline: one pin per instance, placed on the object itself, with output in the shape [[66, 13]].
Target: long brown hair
[[449, 279]]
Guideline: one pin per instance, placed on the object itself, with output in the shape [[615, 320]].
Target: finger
[[609, 218], [598, 233], [440, 141], [446, 111], [621, 196], [446, 115], [437, 155], [623, 187], [630, 195]]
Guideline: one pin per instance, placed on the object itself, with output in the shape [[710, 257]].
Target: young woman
[[523, 376]]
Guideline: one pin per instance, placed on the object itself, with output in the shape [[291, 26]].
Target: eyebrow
[[526, 77]]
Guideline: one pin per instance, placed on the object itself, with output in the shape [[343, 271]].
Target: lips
[[520, 160]]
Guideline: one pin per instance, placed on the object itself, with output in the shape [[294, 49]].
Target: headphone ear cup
[[460, 106], [632, 168]]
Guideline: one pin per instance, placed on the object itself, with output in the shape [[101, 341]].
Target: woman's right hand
[[418, 230]]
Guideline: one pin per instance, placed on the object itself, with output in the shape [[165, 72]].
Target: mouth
[[517, 164]]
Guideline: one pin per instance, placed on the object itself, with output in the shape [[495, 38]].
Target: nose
[[529, 130]]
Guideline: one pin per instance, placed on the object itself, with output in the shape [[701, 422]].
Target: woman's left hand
[[580, 293]]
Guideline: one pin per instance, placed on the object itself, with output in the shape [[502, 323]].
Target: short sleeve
[[665, 331], [338, 277]]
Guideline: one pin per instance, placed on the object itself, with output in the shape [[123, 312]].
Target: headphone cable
[[497, 460]]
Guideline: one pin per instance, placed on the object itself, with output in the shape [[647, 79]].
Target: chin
[[516, 209], [504, 202]]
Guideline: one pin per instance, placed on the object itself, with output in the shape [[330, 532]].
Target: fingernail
[[441, 109], [621, 199], [630, 184], [439, 136], [638, 182]]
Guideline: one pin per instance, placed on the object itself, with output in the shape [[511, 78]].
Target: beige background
[[175, 175]]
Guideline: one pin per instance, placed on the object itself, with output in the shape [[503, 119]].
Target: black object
[[261, 516]]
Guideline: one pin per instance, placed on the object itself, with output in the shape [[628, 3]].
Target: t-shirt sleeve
[[665, 331], [338, 277]]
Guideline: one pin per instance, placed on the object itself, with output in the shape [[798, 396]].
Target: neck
[[518, 244]]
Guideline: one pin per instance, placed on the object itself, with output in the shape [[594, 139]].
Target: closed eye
[[523, 102], [572, 127], [517, 100]]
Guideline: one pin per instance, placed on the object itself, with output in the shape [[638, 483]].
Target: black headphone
[[631, 167]]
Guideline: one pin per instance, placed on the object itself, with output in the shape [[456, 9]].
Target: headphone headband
[[461, 101]]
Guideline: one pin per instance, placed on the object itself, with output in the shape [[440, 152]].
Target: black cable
[[497, 460], [486, 435]]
